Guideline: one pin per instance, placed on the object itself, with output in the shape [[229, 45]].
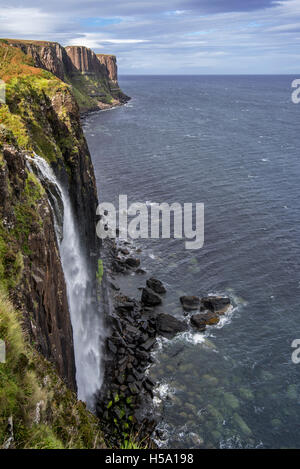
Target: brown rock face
[[85, 60], [110, 63], [103, 67], [41, 293], [50, 56]]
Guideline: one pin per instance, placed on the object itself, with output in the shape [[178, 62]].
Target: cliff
[[37, 410], [88, 74], [40, 116], [101, 70], [110, 64]]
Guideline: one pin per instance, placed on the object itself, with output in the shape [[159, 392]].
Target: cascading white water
[[85, 318]]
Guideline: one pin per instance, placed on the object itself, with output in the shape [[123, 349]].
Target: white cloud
[[20, 22], [98, 40]]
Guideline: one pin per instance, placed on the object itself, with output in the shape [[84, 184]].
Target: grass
[[46, 415]]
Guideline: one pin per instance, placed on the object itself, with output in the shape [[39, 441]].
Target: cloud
[[28, 21], [223, 6], [163, 36], [95, 41]]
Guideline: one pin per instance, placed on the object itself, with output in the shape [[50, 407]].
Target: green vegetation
[[100, 271], [39, 109], [45, 414], [88, 91], [14, 238], [131, 444]]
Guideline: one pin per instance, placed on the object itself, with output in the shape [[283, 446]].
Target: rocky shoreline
[[125, 402]]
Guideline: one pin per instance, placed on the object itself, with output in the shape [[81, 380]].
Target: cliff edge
[[41, 116], [93, 78]]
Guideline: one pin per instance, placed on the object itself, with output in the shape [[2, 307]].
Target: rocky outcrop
[[190, 303], [156, 285], [168, 326], [216, 304], [201, 320], [102, 68], [85, 60], [149, 298], [110, 64], [94, 82], [50, 56]]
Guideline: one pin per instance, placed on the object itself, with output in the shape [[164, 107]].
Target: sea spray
[[85, 317]]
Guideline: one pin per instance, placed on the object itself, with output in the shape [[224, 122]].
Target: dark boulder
[[169, 326], [132, 262], [201, 320], [148, 344], [190, 303], [216, 304], [118, 266], [156, 285], [149, 298]]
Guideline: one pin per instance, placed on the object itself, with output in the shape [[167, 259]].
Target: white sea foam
[[162, 392]]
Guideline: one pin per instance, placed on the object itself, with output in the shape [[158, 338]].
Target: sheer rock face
[[50, 56], [102, 67], [40, 290], [85, 60], [110, 63]]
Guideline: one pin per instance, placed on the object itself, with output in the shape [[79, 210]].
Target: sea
[[233, 144]]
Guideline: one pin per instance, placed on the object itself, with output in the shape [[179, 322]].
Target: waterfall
[[85, 316]]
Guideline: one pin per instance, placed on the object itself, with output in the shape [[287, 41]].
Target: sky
[[168, 36]]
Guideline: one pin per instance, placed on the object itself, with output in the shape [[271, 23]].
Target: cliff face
[[110, 63], [93, 79], [41, 116], [85, 60], [30, 263], [101, 68], [50, 56]]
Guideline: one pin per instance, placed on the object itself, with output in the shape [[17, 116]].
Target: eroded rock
[[169, 326], [201, 320], [156, 285], [216, 304], [190, 303], [150, 298]]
